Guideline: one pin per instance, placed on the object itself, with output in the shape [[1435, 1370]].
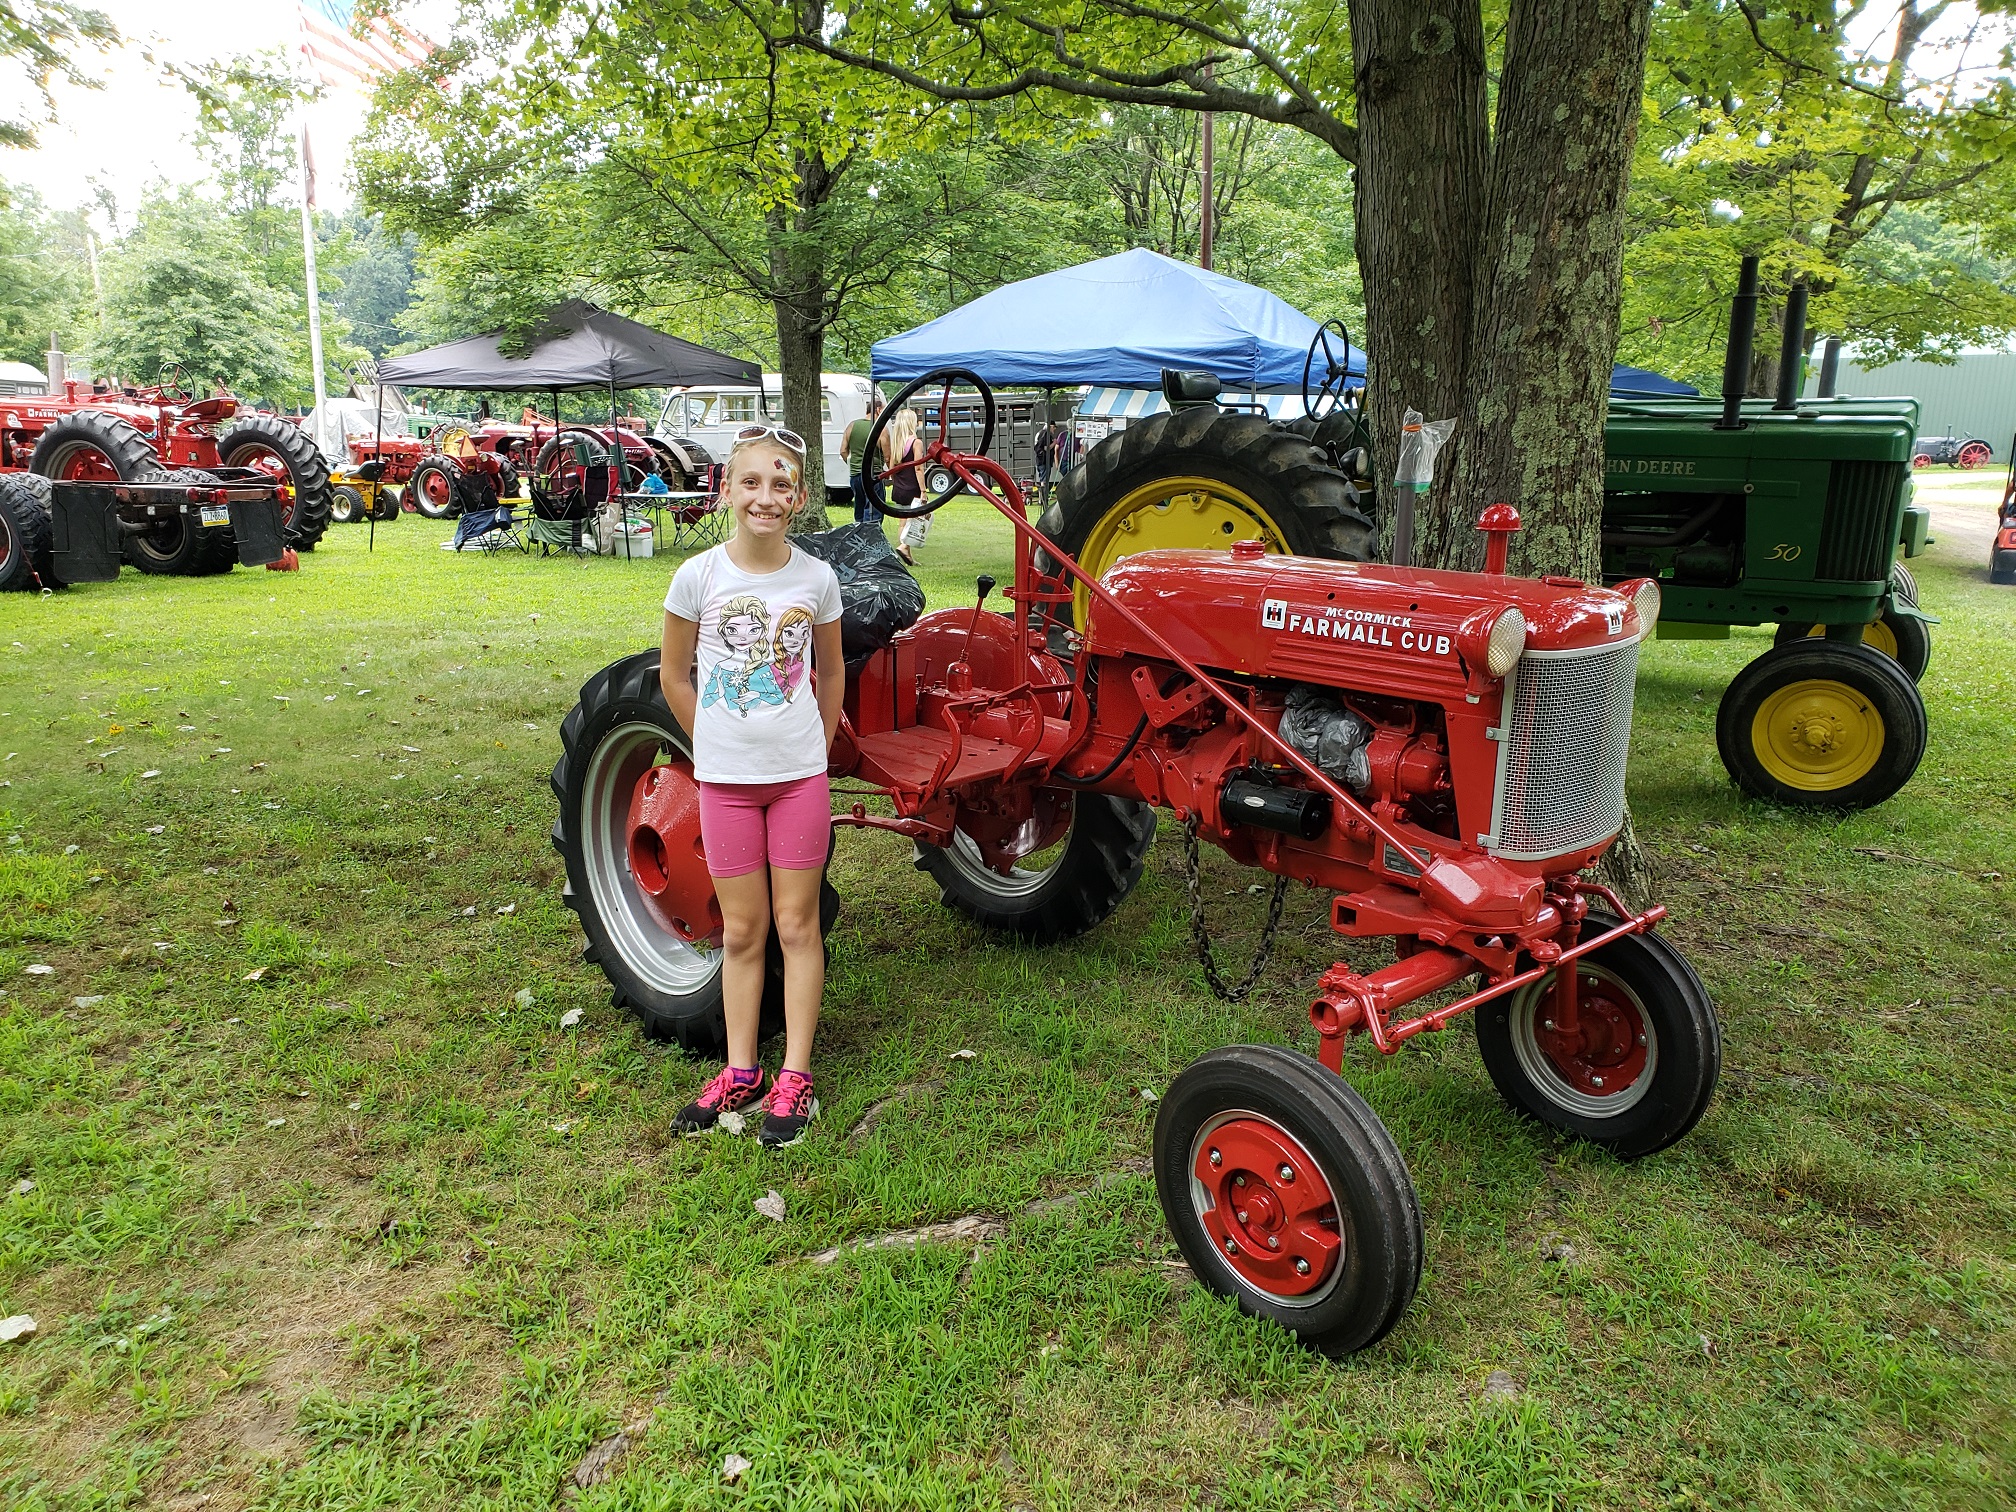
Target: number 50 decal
[[1784, 551]]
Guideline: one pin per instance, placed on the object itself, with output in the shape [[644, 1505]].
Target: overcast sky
[[137, 129]]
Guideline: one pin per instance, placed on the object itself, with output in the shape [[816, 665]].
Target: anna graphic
[[745, 629], [790, 647]]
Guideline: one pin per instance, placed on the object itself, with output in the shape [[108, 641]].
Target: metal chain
[[1192, 881]]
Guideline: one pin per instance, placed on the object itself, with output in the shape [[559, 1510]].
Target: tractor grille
[[1856, 535], [1561, 762]]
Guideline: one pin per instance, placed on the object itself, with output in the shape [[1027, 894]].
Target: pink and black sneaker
[[792, 1108], [737, 1087]]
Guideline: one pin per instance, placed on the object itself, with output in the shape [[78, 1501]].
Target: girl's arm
[[831, 665], [675, 669]]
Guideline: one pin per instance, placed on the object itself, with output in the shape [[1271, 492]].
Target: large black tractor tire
[[1256, 1143], [1821, 724], [1904, 638], [436, 488], [26, 534], [305, 507], [1205, 478], [92, 446], [2002, 567], [1644, 1066], [612, 736], [180, 546], [1083, 878]]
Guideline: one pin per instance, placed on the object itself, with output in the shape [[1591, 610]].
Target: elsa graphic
[[745, 630], [788, 661]]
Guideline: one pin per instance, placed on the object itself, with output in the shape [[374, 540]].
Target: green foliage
[[181, 288], [43, 282], [371, 279], [1880, 176], [38, 43]]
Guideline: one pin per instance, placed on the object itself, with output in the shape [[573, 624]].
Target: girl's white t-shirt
[[758, 720]]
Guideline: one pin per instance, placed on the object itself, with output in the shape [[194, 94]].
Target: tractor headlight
[[1507, 643], [1646, 602]]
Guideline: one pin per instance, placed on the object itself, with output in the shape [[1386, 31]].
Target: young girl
[[759, 755]]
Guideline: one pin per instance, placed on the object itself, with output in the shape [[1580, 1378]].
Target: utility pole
[[1205, 216], [308, 257]]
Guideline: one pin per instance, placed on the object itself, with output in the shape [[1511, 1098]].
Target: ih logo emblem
[[1274, 614]]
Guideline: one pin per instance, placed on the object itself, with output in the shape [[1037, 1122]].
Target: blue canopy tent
[[1116, 323]]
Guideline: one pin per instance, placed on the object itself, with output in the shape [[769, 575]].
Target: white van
[[712, 415]]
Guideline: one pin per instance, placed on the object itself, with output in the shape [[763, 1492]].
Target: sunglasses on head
[[777, 432]]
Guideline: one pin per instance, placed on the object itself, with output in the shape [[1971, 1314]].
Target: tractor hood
[[1296, 617]]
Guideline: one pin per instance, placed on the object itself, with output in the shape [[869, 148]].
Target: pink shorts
[[745, 824]]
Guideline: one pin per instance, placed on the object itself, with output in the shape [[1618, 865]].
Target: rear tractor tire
[[26, 534], [1904, 638], [1642, 1067], [1285, 1193], [618, 732], [436, 488], [1821, 724], [1076, 884], [1204, 478], [182, 546], [289, 454], [92, 446]]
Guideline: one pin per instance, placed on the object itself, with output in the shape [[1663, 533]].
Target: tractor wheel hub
[[667, 860], [1270, 1210]]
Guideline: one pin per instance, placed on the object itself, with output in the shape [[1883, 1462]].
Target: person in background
[[852, 445], [906, 484], [1046, 458]]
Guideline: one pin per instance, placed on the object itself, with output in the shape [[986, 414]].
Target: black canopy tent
[[574, 347]]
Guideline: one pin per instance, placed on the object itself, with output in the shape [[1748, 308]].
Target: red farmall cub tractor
[[1442, 751], [78, 437]]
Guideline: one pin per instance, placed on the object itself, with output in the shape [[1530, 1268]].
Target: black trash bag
[[878, 597]]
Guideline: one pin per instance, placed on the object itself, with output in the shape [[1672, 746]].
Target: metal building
[[1975, 396]]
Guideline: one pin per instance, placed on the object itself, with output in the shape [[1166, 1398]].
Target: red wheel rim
[[1608, 1052], [667, 861], [6, 545], [434, 484], [81, 462], [1972, 455], [1921, 460], [262, 458], [1266, 1205]]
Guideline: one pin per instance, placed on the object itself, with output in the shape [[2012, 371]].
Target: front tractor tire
[[1285, 1193], [1640, 1069], [1069, 887], [619, 731], [289, 455], [181, 545], [1204, 478], [1821, 724]]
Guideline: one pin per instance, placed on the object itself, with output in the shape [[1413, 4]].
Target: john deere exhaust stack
[[1742, 332]]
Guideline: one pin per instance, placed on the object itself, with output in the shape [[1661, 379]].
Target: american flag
[[346, 56]]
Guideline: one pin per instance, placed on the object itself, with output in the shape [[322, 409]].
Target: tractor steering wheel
[[172, 381], [1336, 375], [875, 475]]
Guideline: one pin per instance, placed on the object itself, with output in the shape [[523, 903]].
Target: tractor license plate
[[216, 514]]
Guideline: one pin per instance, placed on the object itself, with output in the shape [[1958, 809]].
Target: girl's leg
[[745, 917], [794, 904]]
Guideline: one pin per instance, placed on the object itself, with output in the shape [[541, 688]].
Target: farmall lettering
[[1360, 627]]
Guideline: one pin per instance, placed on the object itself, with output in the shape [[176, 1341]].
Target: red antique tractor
[[80, 437], [1443, 752]]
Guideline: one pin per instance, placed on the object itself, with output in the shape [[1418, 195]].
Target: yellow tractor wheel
[[1202, 479]]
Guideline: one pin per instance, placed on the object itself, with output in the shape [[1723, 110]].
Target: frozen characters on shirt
[[790, 656], [748, 682]]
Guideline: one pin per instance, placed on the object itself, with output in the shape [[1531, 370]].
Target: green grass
[[469, 1253]]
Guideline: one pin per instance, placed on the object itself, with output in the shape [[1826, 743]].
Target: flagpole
[[314, 292]]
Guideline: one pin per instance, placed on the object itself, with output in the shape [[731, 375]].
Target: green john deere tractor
[[1748, 513]]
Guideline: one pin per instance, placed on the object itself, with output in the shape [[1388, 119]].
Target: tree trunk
[[1424, 148], [798, 279], [1549, 285]]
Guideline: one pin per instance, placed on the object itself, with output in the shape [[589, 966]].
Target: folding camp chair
[[489, 530], [570, 537], [688, 521]]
